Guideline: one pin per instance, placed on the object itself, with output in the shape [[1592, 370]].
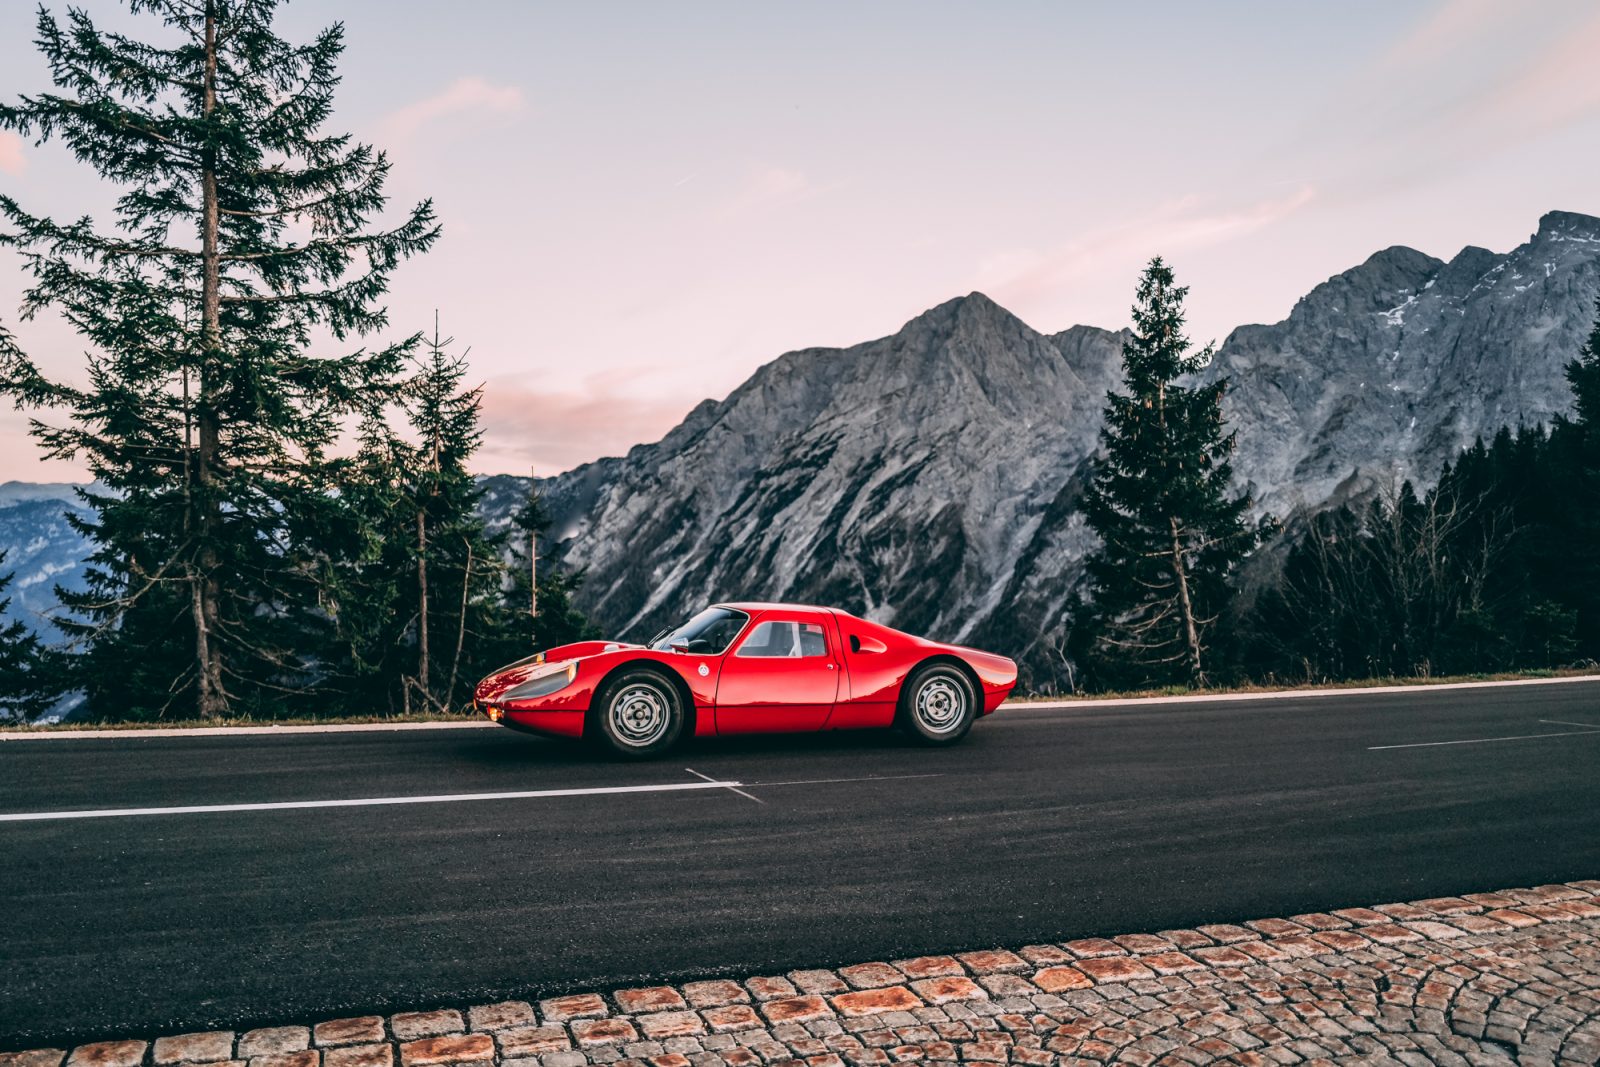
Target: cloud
[[12, 160], [554, 430], [464, 96], [770, 188], [1551, 90], [1021, 275]]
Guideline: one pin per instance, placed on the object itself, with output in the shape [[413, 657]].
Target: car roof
[[763, 605]]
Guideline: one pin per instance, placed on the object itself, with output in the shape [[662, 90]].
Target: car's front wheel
[[938, 704], [639, 714]]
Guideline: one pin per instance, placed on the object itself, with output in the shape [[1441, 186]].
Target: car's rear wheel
[[938, 704], [639, 714]]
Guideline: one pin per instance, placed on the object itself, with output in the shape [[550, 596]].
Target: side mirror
[[680, 646]]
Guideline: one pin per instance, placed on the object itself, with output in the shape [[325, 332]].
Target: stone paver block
[[108, 1054], [818, 982], [591, 1032], [413, 1025], [1477, 924], [274, 1041], [662, 1025], [1045, 955], [655, 998], [1363, 916], [731, 1018], [1403, 912], [1227, 933], [770, 988], [1143, 943], [947, 989], [876, 1001], [1165, 963], [359, 1056], [796, 1009], [871, 975], [1447, 906], [1512, 917], [1319, 920], [930, 967], [1437, 931], [1222, 956], [1090, 947], [1061, 979], [1342, 940], [211, 1046], [992, 961], [1107, 969], [1390, 934], [1265, 951], [532, 1041], [359, 1030], [309, 1057], [1187, 938], [715, 993], [1008, 985], [1276, 927], [448, 1048], [564, 1009], [38, 1057], [501, 1016]]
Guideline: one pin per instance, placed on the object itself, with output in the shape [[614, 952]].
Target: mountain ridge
[[929, 478]]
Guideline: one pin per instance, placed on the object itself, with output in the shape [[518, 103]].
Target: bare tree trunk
[[422, 606], [461, 631], [211, 697], [533, 569], [1191, 632]]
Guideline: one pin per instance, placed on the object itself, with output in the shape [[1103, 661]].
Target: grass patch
[[195, 724]]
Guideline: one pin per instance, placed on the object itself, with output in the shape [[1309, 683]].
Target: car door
[[782, 676]]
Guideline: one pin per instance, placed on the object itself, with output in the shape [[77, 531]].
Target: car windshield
[[708, 633]]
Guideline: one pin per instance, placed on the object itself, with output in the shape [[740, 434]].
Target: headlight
[[542, 685]]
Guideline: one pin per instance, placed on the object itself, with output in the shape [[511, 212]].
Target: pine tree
[[539, 613], [211, 406], [25, 691], [1160, 500], [1581, 441]]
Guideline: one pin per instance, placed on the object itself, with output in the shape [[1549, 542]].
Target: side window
[[782, 639]]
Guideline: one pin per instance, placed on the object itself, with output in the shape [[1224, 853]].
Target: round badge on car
[[704, 670]]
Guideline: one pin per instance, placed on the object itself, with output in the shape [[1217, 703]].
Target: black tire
[[938, 704], [638, 714]]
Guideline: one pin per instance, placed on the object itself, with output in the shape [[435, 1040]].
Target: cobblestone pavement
[[1485, 978]]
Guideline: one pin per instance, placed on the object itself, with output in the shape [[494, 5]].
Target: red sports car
[[746, 669]]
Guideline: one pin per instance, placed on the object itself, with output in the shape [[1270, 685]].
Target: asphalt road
[[1043, 826]]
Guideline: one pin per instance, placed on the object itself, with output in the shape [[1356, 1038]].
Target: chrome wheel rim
[[941, 704], [640, 715]]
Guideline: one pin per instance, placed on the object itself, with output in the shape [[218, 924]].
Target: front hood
[[514, 674]]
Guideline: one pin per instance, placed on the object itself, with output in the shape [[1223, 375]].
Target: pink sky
[[643, 203]]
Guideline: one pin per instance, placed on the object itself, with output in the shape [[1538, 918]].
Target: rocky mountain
[[930, 479], [41, 549]]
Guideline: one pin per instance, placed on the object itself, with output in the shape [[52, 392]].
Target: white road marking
[[741, 792], [1013, 706], [1483, 740], [362, 802], [1563, 722], [831, 781]]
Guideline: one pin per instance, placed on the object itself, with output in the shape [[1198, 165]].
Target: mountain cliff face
[[41, 550], [930, 479]]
